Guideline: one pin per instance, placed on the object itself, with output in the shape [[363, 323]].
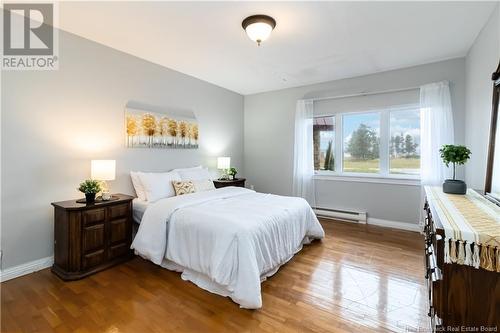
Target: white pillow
[[194, 174], [203, 185], [158, 185], [139, 189], [187, 169], [190, 168]]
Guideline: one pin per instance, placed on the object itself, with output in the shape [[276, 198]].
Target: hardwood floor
[[360, 278]]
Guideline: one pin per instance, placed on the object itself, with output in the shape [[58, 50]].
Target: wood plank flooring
[[360, 278]]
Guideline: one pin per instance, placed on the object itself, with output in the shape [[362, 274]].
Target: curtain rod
[[365, 93]]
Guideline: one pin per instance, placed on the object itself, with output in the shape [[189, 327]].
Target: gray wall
[[55, 122], [481, 61], [269, 123]]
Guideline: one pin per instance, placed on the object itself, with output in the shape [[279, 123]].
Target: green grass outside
[[397, 165]]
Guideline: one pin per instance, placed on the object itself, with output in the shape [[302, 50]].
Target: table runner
[[471, 226]]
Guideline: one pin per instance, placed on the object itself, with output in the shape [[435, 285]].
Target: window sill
[[362, 178]]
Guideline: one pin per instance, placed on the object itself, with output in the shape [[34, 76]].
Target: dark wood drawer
[[118, 250], [93, 216], [117, 211], [118, 230], [93, 259], [93, 238], [436, 300]]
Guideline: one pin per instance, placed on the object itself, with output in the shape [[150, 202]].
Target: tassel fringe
[[453, 251], [461, 253], [468, 254], [498, 259], [472, 254], [447, 251], [486, 258], [476, 261], [493, 258]]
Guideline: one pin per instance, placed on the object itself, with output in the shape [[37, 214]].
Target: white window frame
[[384, 175]]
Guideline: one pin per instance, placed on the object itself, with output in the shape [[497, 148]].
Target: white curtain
[[303, 156], [436, 129]]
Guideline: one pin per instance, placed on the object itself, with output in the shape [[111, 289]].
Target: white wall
[[55, 122], [481, 61], [269, 122]]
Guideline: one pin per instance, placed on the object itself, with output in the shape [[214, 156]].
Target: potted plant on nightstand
[[90, 187], [455, 155], [232, 173]]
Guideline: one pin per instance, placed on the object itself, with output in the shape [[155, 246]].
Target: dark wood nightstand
[[238, 182], [90, 238]]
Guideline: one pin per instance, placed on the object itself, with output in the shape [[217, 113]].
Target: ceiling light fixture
[[258, 27]]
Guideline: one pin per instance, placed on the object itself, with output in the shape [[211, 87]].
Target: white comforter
[[228, 240]]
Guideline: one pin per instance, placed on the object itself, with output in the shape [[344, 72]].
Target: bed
[[138, 208], [228, 240]]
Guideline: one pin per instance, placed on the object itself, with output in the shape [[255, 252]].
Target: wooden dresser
[[90, 238], [461, 297]]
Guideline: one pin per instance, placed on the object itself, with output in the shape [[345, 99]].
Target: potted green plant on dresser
[[456, 155], [90, 188]]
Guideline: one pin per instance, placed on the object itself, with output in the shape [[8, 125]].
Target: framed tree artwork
[[145, 129]]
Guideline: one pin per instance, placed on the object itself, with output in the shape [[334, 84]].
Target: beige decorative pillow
[[203, 185], [183, 187]]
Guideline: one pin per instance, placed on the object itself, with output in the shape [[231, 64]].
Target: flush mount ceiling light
[[258, 27]]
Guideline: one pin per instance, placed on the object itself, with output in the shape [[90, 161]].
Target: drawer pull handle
[[429, 239]]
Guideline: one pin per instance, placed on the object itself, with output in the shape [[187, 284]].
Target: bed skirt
[[205, 282]]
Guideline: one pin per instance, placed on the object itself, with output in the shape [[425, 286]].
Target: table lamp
[[103, 170], [223, 163]]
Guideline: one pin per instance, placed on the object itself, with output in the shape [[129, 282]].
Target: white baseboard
[[27, 268], [394, 224], [36, 265], [385, 223]]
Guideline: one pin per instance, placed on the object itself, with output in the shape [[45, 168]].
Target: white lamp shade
[[223, 162], [259, 31], [102, 169]]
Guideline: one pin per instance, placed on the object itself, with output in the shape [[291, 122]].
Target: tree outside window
[[361, 142], [324, 143]]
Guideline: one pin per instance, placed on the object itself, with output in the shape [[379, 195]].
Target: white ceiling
[[313, 41]]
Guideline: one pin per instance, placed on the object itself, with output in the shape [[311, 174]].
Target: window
[[361, 143], [404, 145], [324, 143], [383, 143]]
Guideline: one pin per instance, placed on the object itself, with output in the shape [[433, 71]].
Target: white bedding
[[138, 208], [227, 240]]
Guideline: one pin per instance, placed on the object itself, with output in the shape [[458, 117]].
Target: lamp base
[[106, 196]]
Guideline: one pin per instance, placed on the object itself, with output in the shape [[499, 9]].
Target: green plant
[[90, 186], [364, 143], [329, 162], [455, 155], [232, 171]]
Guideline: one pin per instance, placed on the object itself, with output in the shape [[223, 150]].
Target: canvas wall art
[[145, 129]]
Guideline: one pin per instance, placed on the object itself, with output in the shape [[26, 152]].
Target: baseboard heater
[[341, 214]]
